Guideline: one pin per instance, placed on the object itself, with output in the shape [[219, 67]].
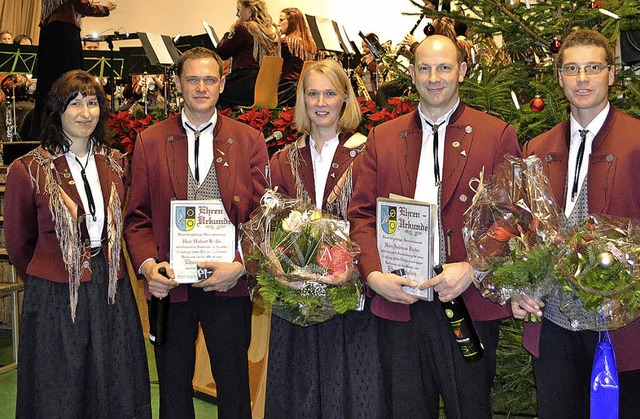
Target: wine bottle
[[159, 316], [464, 332]]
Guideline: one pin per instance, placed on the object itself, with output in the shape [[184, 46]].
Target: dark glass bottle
[[159, 317], [464, 332]]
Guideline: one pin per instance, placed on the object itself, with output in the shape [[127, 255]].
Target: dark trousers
[[59, 50], [563, 375], [226, 324], [421, 362]]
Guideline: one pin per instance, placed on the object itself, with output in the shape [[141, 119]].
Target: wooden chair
[[266, 91]]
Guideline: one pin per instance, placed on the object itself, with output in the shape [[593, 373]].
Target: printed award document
[[405, 240], [200, 231]]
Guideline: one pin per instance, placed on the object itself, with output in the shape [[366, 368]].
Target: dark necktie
[[87, 187], [196, 149], [436, 158], [583, 141]]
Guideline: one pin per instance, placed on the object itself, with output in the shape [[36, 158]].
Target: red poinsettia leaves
[[336, 259]]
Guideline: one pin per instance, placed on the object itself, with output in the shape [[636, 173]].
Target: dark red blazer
[[238, 45], [390, 165], [28, 227], [345, 154], [160, 173], [613, 189]]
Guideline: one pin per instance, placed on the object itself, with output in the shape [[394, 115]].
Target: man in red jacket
[[603, 181], [431, 155]]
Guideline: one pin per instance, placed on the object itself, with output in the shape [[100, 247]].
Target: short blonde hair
[[350, 115]]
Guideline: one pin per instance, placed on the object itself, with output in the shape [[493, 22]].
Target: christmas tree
[[514, 77]]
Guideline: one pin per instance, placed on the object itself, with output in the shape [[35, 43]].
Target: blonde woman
[[331, 369], [252, 36]]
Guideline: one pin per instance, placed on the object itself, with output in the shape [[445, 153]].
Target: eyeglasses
[[589, 70]]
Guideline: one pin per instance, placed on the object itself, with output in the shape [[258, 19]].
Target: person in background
[[605, 183], [251, 37], [298, 46], [331, 369], [90, 45], [229, 166], [22, 40], [368, 67], [60, 46], [6, 37], [430, 155], [82, 351]]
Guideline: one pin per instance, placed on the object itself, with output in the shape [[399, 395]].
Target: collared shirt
[[94, 227], [205, 149], [593, 127], [426, 188], [322, 165]]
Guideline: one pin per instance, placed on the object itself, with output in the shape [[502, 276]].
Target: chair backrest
[[266, 91]]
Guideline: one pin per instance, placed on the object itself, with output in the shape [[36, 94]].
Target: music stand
[[16, 59], [97, 64], [324, 34], [161, 52]]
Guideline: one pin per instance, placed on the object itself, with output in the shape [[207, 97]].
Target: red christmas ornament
[[537, 104], [429, 29], [555, 45], [592, 5]]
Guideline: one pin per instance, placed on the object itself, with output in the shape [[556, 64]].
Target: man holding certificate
[[430, 155], [196, 177]]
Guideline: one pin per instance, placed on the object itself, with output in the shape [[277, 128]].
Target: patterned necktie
[[196, 150], [583, 141], [436, 159]]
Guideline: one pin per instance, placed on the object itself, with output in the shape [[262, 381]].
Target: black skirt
[[327, 370], [95, 367]]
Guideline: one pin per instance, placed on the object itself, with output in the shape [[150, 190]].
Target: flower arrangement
[[306, 262], [125, 126], [513, 232], [600, 273]]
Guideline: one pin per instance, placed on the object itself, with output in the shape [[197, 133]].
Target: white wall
[[383, 17]]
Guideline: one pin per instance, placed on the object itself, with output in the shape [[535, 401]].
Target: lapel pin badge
[[468, 129]]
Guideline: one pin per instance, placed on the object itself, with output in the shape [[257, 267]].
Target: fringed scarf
[[64, 213], [297, 49], [339, 197], [50, 6], [264, 43]]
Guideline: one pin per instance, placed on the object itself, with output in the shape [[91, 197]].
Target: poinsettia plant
[[124, 126]]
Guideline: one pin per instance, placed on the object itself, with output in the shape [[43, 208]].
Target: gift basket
[[513, 231], [306, 261], [599, 273]]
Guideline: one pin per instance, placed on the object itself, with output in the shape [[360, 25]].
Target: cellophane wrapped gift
[[306, 261], [599, 269], [513, 231]]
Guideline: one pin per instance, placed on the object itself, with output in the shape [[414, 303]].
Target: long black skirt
[[95, 367], [327, 370]]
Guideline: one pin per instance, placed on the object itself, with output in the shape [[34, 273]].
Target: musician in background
[[298, 46], [60, 45], [251, 37], [22, 39], [6, 37], [90, 45], [368, 67]]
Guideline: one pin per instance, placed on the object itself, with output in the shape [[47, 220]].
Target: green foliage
[[527, 267]]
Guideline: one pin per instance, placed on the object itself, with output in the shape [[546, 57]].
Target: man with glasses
[[592, 162]]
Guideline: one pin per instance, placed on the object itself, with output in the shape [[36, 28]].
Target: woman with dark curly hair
[[81, 350], [252, 36]]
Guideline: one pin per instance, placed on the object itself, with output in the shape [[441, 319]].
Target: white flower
[[293, 222]]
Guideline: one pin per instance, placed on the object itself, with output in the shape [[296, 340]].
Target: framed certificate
[[200, 231], [404, 230]]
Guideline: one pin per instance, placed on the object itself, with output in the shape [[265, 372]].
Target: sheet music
[[328, 33], [159, 48], [211, 32]]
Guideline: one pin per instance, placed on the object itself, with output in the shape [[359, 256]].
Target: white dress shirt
[[322, 165], [96, 226], [593, 127], [426, 188], [205, 149]]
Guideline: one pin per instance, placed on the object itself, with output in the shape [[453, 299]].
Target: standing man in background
[[60, 46]]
